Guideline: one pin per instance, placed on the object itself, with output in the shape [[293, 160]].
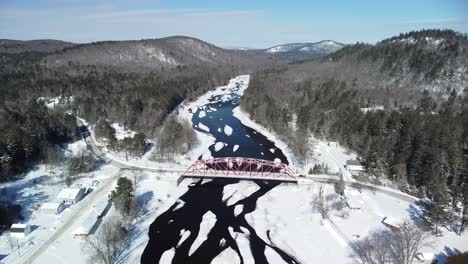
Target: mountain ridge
[[303, 51]]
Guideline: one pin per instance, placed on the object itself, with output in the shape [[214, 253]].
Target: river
[[177, 229]]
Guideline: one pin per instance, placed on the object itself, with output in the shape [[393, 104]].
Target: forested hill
[[399, 67], [137, 83], [150, 54], [39, 45], [373, 100], [427, 57]]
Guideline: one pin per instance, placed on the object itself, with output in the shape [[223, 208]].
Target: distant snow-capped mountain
[[286, 47], [303, 51]]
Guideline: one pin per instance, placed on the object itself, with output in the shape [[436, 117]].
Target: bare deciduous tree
[[398, 246], [320, 204], [108, 244], [369, 250]]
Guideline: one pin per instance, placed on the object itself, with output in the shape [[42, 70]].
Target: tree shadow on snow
[[442, 256]]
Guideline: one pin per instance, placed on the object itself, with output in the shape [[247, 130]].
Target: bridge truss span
[[240, 168]]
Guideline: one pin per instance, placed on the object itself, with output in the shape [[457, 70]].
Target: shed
[[55, 207], [354, 165], [391, 222], [20, 230], [71, 195], [87, 226]]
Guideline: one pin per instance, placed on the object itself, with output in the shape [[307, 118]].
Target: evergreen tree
[[123, 195]]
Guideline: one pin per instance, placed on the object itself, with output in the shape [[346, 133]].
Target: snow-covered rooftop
[[69, 193], [15, 226], [51, 205], [388, 220], [87, 225]]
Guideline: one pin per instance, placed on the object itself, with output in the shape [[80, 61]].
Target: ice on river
[[272, 150], [209, 220], [236, 192], [238, 209], [203, 127], [227, 130], [218, 146], [202, 114], [234, 149]]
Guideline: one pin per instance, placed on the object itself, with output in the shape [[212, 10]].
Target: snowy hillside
[[303, 51], [286, 47]]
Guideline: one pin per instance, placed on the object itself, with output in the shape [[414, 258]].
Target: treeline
[[140, 100], [28, 130], [426, 53], [419, 146], [175, 138], [134, 146]]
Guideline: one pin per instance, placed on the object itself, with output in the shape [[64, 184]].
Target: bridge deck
[[232, 175], [239, 168]]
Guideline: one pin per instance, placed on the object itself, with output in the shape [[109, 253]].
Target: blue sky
[[227, 23]]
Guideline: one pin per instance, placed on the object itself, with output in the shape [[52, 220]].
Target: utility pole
[[19, 251]]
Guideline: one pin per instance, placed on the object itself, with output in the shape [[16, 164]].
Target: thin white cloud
[[432, 22], [150, 12]]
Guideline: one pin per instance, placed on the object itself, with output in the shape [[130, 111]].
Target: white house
[[20, 230], [354, 166], [71, 195], [55, 207]]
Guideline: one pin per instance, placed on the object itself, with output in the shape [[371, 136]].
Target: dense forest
[[101, 88], [416, 138]]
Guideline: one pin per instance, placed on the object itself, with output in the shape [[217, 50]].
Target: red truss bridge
[[239, 168]]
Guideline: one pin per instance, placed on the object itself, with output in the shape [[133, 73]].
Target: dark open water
[[166, 231]]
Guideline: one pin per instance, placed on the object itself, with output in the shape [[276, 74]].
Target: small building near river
[[354, 166]]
